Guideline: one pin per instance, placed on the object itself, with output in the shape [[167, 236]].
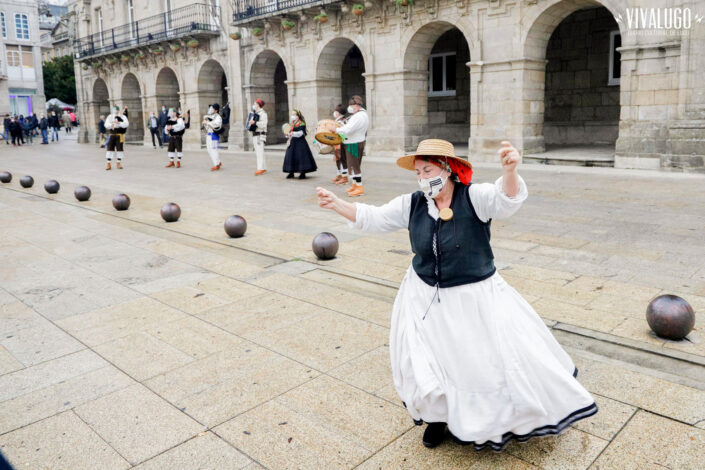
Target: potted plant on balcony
[[124, 59], [405, 3], [110, 60], [96, 65], [140, 55], [158, 51], [358, 9], [257, 31], [287, 25], [236, 36], [322, 17], [84, 66], [192, 43], [175, 46]]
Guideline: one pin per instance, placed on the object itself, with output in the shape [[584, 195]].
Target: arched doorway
[[268, 82], [577, 118], [131, 97], [212, 88], [101, 100], [340, 75], [167, 91], [437, 85]]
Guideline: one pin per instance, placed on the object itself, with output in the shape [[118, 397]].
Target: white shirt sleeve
[[124, 122], [179, 126], [386, 218], [297, 133], [262, 123], [491, 202], [355, 123]]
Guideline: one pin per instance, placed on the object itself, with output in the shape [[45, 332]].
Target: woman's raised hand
[[509, 156], [326, 199]]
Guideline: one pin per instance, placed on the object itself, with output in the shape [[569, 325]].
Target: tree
[[59, 79]]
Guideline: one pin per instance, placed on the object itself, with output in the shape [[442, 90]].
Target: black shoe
[[302, 176], [289, 176], [434, 434]]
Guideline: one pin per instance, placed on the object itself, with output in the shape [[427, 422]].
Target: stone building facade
[[544, 74]]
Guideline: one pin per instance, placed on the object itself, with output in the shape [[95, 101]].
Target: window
[[13, 56], [99, 22], [21, 26], [2, 24], [167, 13], [441, 73], [20, 62], [131, 18], [615, 58]]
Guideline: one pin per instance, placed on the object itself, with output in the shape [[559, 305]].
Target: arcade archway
[[132, 98]]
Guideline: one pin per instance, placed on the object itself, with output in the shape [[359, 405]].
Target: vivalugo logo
[[659, 21]]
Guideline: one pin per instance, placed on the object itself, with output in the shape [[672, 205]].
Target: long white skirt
[[483, 361]]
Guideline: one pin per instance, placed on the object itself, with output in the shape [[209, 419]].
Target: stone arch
[[100, 99], [131, 94], [167, 88], [340, 69], [572, 101], [437, 104], [268, 76], [212, 88]]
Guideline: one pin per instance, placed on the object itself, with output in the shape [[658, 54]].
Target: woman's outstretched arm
[[366, 217], [328, 200]]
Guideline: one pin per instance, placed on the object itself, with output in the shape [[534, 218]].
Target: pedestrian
[[298, 157], [163, 118], [54, 125], [43, 128], [27, 130], [66, 120], [116, 124], [354, 133], [15, 130], [468, 353], [257, 124], [153, 126], [175, 127], [6, 128], [102, 131], [35, 124], [341, 166], [72, 115], [213, 125], [21, 121]]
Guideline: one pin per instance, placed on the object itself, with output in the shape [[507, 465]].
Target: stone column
[[192, 137], [149, 104]]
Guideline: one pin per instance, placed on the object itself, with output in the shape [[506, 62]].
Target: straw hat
[[431, 148]]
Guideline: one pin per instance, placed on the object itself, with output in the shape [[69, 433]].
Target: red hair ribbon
[[463, 172]]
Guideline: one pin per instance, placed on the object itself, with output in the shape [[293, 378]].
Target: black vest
[[172, 132], [118, 130], [464, 254]]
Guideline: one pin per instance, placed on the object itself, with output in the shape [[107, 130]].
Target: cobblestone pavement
[[126, 342]]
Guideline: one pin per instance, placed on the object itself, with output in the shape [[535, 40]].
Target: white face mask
[[351, 110], [114, 112], [163, 108], [432, 187], [255, 107], [294, 117], [211, 110]]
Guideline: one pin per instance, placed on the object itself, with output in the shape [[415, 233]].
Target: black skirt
[[298, 157]]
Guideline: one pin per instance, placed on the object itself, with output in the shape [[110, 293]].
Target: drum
[[326, 132]]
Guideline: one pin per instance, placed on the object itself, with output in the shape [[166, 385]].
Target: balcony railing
[[245, 10], [191, 20]]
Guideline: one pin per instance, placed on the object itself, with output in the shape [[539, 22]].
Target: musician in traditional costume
[[116, 124], [341, 165], [213, 125], [354, 133], [298, 157], [468, 353], [175, 127], [257, 124]]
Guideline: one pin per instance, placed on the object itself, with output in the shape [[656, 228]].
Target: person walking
[[163, 118], [102, 131], [257, 124], [298, 157], [6, 128], [66, 120], [54, 125], [27, 130], [153, 126], [15, 129], [354, 133], [72, 115], [43, 128]]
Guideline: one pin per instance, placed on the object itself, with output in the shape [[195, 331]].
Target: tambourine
[[286, 128]]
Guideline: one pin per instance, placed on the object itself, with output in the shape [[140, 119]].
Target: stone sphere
[[82, 193], [27, 181], [325, 245], [235, 226], [670, 316], [5, 177], [121, 202], [52, 186], [171, 212]]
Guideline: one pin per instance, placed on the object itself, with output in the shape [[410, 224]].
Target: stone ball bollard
[[121, 202], [235, 226], [52, 186], [82, 193], [5, 176], [670, 316], [325, 245], [27, 181], [170, 212]]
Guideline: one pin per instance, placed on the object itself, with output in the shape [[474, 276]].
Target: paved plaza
[[127, 342]]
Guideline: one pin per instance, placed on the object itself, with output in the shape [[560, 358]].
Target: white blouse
[[489, 201]]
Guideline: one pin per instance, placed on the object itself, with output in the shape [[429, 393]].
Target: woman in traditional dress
[[468, 353], [298, 157]]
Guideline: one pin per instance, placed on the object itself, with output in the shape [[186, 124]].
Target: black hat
[[216, 106]]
